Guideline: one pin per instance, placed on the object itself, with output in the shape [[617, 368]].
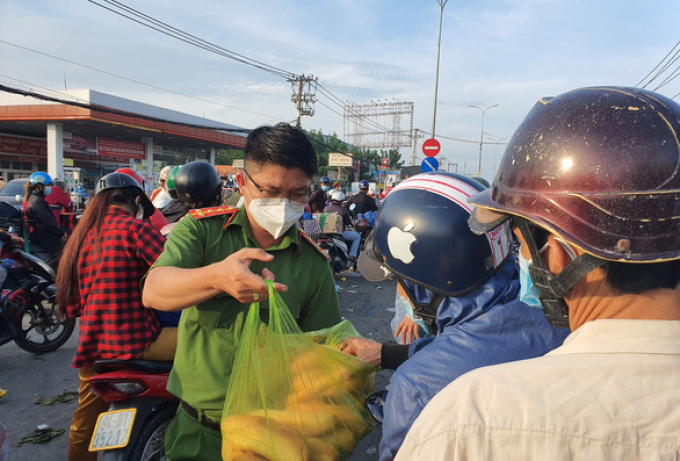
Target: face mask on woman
[[48, 190], [325, 188]]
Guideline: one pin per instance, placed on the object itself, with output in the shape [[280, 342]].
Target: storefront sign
[[120, 149], [25, 146], [80, 145]]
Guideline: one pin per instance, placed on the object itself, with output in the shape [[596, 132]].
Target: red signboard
[[431, 147], [385, 161], [25, 146], [120, 149]]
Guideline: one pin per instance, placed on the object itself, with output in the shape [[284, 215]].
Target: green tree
[[227, 156]]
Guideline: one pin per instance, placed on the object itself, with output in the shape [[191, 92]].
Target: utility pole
[[481, 137], [303, 95], [415, 147], [442, 4]]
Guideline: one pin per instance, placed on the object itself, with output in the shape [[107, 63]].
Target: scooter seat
[[146, 366]]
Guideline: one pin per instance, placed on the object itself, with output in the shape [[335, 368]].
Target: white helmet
[[337, 196]]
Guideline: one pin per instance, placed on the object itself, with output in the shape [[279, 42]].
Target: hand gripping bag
[[293, 396]]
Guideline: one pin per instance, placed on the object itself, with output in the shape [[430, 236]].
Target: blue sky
[[506, 52]]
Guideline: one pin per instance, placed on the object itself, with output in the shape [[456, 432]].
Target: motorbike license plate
[[113, 429]]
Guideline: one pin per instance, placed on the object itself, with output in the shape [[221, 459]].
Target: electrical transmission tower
[[303, 95], [379, 124]]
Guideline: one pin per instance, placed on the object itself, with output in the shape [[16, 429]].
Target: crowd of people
[[564, 346]]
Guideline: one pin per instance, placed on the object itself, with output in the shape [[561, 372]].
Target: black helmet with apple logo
[[421, 234]]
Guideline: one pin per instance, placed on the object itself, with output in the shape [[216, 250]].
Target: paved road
[[28, 375]]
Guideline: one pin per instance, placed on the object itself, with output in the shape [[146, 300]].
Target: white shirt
[[611, 392], [162, 200]]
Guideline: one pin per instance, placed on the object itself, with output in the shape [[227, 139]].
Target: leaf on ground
[[40, 436], [64, 397]]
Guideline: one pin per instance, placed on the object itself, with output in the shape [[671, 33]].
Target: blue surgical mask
[[48, 190], [325, 188], [528, 293]]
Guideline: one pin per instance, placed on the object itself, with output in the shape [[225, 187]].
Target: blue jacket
[[486, 327]]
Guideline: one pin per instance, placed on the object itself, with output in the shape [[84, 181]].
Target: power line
[[164, 28], [657, 66], [85, 66]]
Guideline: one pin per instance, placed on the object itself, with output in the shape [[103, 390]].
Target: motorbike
[[337, 250], [28, 310], [140, 409]]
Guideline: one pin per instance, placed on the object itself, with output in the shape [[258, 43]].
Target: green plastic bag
[[292, 395]]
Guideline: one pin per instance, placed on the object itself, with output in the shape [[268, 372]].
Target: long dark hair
[[30, 188], [91, 221]]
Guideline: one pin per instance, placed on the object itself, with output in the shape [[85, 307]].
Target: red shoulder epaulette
[[303, 235], [201, 213]]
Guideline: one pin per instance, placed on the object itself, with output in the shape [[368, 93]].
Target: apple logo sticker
[[400, 241]]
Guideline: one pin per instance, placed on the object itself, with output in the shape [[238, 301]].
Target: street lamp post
[[442, 4], [481, 137], [496, 141]]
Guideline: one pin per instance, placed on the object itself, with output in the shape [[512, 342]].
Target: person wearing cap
[[98, 281], [464, 286], [361, 201], [174, 210], [214, 266], [589, 184], [318, 199], [350, 236], [59, 202], [162, 197]]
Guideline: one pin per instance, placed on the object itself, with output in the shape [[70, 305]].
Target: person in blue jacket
[[464, 286]]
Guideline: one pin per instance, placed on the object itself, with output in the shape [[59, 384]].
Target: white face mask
[[275, 215]]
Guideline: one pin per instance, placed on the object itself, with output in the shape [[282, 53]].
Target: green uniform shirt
[[209, 332]]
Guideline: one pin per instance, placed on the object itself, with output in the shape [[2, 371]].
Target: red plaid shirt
[[113, 322]]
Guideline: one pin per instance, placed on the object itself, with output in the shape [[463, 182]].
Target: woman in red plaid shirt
[[98, 281]]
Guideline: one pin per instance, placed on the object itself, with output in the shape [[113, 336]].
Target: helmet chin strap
[[427, 312], [553, 288]]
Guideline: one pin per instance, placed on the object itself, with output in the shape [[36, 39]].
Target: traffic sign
[[431, 147], [429, 165]]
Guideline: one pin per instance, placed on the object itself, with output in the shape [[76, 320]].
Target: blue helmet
[[363, 184], [325, 179], [40, 177], [433, 245]]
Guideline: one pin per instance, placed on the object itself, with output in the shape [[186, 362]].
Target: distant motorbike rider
[[350, 236], [157, 219], [464, 286], [174, 210], [163, 197], [196, 185], [162, 181], [362, 201], [98, 281], [45, 231], [317, 201]]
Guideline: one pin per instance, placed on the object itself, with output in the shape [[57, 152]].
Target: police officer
[[215, 264]]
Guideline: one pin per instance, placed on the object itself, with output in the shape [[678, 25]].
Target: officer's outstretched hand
[[363, 349], [236, 278]]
